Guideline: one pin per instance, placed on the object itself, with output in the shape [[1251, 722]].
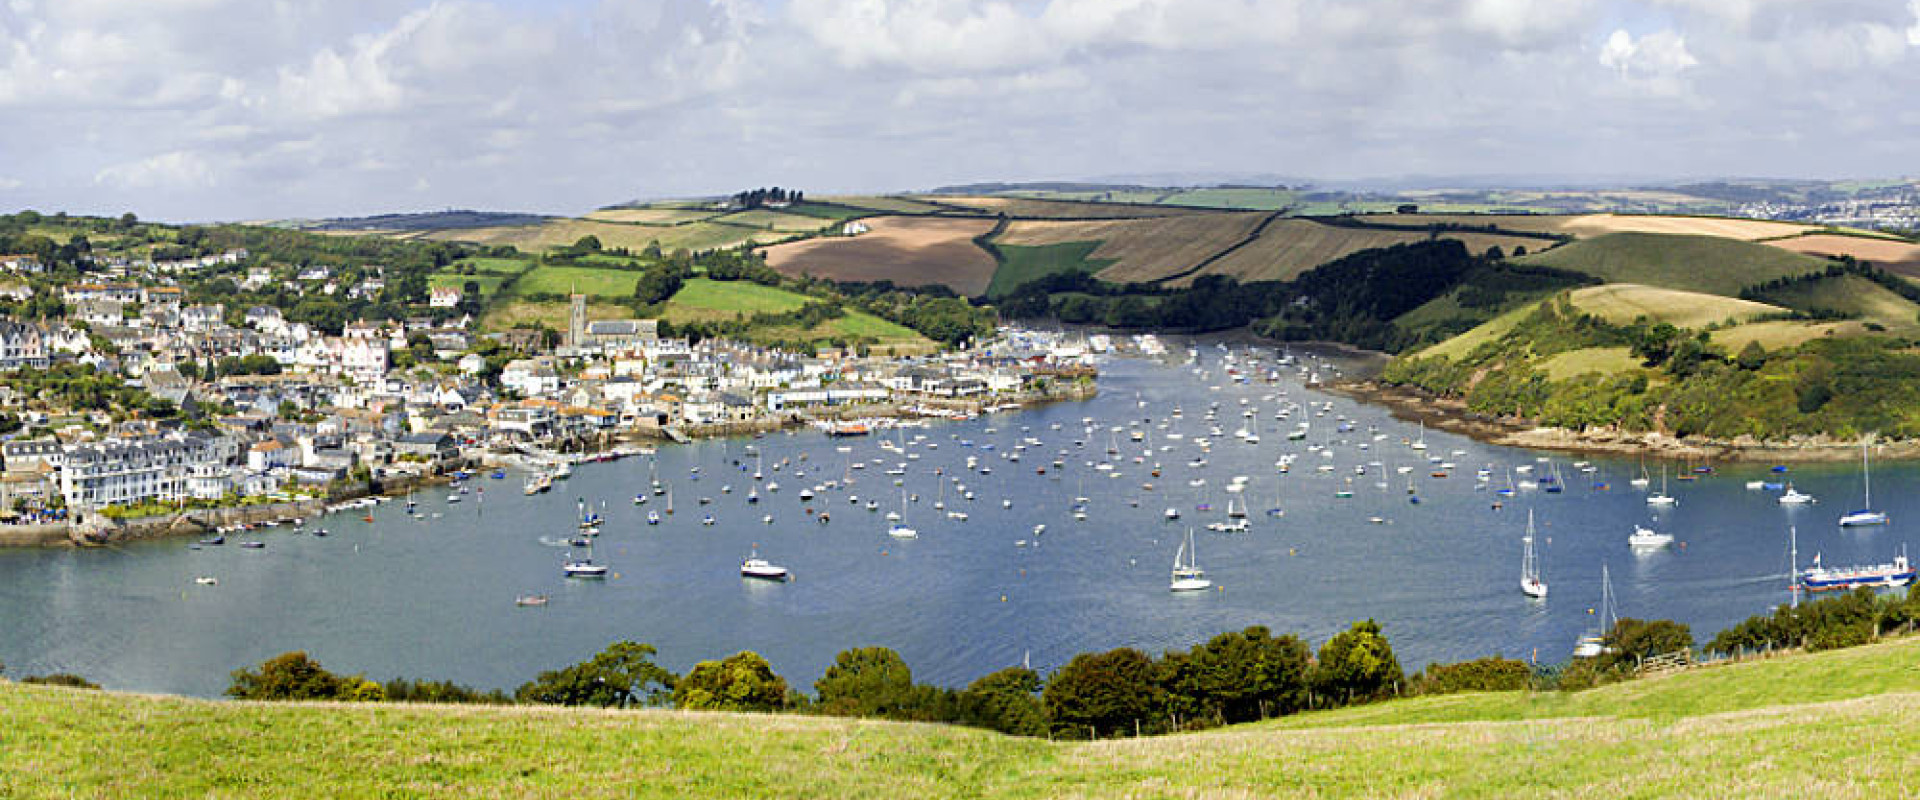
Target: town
[[211, 407]]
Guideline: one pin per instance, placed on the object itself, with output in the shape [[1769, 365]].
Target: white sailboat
[[1594, 642], [1865, 515], [1644, 539], [1530, 583], [1187, 575], [899, 529], [584, 567], [1662, 499]]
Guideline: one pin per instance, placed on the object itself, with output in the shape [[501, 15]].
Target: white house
[[443, 297]]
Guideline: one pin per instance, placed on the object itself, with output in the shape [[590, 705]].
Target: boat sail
[[1593, 643], [1662, 499], [1187, 575], [1530, 583], [1865, 515]]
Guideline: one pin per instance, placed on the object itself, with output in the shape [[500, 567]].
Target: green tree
[[1356, 665], [1752, 357], [865, 682], [1103, 694], [1244, 676], [1007, 701], [743, 681], [621, 675], [288, 676], [66, 679], [1632, 640]]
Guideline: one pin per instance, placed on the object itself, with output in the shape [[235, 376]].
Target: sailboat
[[899, 529], [1187, 575], [1530, 583], [1421, 443], [1662, 499], [1642, 481], [584, 567], [1593, 643], [1235, 512], [1865, 515]]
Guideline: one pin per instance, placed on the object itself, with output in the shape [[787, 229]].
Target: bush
[[288, 676], [1491, 674], [1103, 694], [1356, 665], [621, 675], [61, 679], [743, 681]]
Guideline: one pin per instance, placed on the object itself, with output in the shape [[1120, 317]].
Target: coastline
[[1451, 414]]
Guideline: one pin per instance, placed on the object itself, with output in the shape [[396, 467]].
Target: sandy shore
[[1451, 414]]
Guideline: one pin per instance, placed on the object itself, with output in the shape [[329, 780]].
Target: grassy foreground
[[1835, 725]]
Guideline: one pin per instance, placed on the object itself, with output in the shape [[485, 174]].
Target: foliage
[[1829, 623], [621, 675], [1490, 674], [1104, 694], [1355, 665], [864, 682], [743, 681], [1632, 640], [288, 676], [81, 387], [66, 679], [1007, 701], [1239, 677]]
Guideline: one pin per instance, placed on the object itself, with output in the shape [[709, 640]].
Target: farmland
[[1853, 295], [591, 281], [1028, 208], [1289, 247], [1721, 227], [1694, 263], [1142, 250], [1024, 263], [1888, 254], [910, 251], [703, 235], [651, 215]]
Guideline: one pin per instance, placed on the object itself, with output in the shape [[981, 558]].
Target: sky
[[192, 110]]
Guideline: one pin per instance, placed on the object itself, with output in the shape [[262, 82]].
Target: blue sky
[[237, 109]]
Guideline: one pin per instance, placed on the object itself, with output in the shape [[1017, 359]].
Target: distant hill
[[1706, 264]]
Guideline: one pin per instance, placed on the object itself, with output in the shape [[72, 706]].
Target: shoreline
[[1451, 414]]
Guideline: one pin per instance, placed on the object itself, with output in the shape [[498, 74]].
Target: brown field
[[1143, 249], [1888, 254], [910, 251], [1289, 247], [650, 216], [1726, 228], [1055, 209]]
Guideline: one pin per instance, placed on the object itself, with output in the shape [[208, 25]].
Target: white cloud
[[250, 109], [175, 170]]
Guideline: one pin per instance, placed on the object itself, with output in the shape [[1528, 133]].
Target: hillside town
[[209, 406]]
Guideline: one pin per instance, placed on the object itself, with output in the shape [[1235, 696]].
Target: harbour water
[[434, 596]]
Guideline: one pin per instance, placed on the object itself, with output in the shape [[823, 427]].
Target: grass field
[[777, 220], [1705, 264], [1025, 207], [1852, 294], [1604, 360], [704, 300], [892, 204], [488, 272], [1488, 331], [1715, 732], [1025, 263], [910, 251], [562, 232], [1622, 303], [590, 281], [651, 215], [1722, 227], [503, 314]]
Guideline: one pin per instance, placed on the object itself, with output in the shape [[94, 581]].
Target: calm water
[[434, 597]]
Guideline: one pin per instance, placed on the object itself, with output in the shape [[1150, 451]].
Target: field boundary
[[1251, 237]]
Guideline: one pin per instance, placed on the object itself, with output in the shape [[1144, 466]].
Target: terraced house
[[136, 471]]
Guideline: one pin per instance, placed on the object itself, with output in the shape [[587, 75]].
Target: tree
[[865, 682], [1752, 357], [1007, 701], [621, 675], [1634, 639], [1356, 665], [288, 676], [743, 681], [587, 244], [1103, 694], [66, 679], [1244, 676]]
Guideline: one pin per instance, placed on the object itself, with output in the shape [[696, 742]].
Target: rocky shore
[[1451, 414]]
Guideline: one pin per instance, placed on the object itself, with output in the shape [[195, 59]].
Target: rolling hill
[[1835, 724], [1694, 263]]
